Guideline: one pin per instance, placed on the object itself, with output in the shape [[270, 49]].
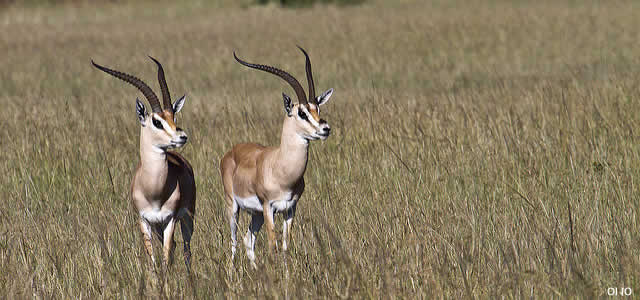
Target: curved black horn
[[312, 89], [166, 97], [143, 87], [302, 98]]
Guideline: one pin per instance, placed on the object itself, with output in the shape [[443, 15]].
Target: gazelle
[[264, 180], [163, 189]]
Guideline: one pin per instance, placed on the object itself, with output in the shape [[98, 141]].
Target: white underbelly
[[282, 205], [156, 215], [252, 203]]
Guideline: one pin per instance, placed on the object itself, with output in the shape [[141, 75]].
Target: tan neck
[[292, 155], [153, 164]]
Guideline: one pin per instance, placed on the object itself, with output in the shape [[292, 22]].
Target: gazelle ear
[[141, 111], [177, 106], [324, 98], [287, 104]]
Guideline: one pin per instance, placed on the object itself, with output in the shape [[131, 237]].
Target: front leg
[[290, 213], [168, 244], [286, 226], [267, 212], [145, 227]]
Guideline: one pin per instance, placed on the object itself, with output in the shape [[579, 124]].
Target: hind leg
[[232, 214], [250, 239], [227, 169]]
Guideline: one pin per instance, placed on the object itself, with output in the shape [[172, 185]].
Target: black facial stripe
[[157, 124], [302, 115]]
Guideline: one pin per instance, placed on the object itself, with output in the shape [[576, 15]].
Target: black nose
[[183, 138], [326, 129]]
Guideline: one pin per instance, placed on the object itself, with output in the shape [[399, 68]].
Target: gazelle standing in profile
[[267, 180], [163, 189]]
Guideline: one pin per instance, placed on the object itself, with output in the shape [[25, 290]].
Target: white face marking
[[313, 106], [165, 125], [311, 128], [156, 216], [309, 117]]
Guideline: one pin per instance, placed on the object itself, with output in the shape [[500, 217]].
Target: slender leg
[[186, 226], [232, 213], [168, 244], [286, 226], [250, 238], [147, 236], [271, 234]]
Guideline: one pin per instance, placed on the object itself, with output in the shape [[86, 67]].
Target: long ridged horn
[[302, 98], [166, 97], [312, 89], [143, 87]]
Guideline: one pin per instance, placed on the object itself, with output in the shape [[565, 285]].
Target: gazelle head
[[303, 116], [158, 127]]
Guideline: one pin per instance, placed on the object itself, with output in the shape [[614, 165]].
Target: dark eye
[[302, 115], [157, 124]]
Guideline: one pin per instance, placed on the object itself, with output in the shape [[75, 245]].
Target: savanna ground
[[479, 148]]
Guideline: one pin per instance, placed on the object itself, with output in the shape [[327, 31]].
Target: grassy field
[[479, 149]]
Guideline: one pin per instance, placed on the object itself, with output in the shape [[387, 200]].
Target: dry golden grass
[[479, 148]]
